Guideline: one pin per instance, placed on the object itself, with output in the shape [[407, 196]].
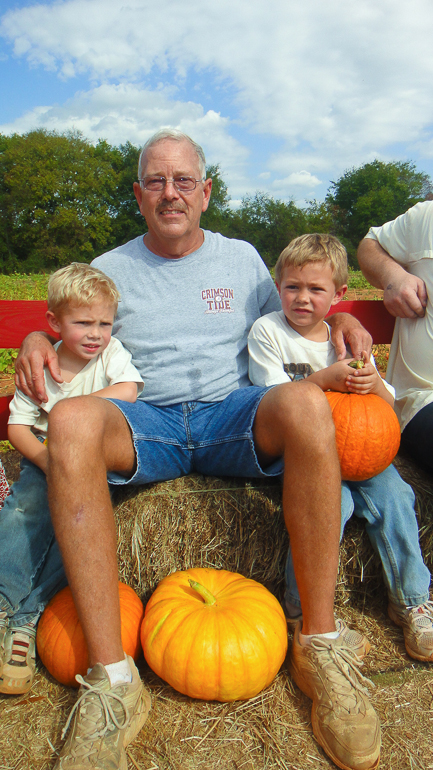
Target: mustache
[[171, 207]]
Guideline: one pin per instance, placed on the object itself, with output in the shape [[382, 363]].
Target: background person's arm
[[404, 294]]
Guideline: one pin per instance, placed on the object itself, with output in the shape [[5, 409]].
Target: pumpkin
[[214, 634], [367, 434], [60, 638]]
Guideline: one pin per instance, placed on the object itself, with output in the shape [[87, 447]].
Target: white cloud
[[335, 83], [298, 179]]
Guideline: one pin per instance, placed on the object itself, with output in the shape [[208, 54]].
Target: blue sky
[[284, 95]]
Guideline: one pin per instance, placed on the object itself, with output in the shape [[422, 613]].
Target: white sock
[[305, 639], [119, 672]]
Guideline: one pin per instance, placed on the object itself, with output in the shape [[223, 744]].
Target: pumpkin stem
[[204, 593]]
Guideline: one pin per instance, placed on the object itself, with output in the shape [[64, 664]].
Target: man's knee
[[302, 405]]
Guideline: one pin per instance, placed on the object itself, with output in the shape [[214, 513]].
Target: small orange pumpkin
[[60, 638], [214, 634], [367, 434]]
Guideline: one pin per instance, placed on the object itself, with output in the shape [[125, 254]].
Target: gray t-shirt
[[186, 321]]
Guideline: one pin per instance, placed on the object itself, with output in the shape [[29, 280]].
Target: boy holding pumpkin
[[82, 303], [294, 344]]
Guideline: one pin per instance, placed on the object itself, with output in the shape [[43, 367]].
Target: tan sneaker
[[357, 642], [417, 625], [104, 721], [19, 660], [344, 722]]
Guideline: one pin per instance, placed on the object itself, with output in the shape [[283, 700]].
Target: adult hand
[[405, 295], [35, 353], [346, 331]]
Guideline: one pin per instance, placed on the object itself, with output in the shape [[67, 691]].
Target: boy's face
[[85, 330], [307, 293]]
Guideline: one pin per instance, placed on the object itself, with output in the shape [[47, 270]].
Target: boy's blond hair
[[315, 247], [80, 284]]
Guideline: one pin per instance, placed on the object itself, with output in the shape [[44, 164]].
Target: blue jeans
[[386, 502], [31, 569], [214, 439]]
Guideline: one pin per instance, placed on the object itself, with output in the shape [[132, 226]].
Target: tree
[[55, 198], [217, 216], [373, 194], [268, 224]]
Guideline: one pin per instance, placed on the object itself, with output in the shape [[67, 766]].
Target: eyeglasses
[[182, 184]]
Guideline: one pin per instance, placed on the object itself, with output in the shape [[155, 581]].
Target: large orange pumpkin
[[214, 634], [60, 638], [367, 434]]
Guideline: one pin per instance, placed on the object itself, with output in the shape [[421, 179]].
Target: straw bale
[[199, 521], [238, 525]]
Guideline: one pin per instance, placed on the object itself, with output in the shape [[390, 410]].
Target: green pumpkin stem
[[204, 593]]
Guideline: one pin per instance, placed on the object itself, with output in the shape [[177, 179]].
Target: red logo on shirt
[[217, 300]]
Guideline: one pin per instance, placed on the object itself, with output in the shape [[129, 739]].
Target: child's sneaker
[[417, 625], [19, 660], [355, 641]]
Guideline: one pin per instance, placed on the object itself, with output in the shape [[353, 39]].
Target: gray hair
[[177, 136]]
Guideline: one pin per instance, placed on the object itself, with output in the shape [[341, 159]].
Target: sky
[[285, 95]]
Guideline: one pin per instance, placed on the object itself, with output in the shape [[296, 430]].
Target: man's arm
[[404, 295], [36, 352], [347, 331]]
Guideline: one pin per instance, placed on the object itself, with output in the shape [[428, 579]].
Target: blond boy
[[294, 344], [82, 304]]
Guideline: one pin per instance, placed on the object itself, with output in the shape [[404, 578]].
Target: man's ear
[[53, 322], [207, 188], [339, 294]]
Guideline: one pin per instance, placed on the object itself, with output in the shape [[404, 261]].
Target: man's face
[[171, 215]]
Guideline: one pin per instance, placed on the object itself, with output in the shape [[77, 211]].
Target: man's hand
[[347, 331], [405, 296], [36, 352]]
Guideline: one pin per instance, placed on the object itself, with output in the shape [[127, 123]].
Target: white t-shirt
[[112, 366], [279, 354], [409, 240]]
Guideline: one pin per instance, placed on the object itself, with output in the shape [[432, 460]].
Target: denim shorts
[[214, 439]]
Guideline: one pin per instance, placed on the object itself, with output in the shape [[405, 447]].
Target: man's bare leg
[[87, 437], [294, 421]]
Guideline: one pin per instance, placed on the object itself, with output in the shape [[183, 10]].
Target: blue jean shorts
[[214, 439]]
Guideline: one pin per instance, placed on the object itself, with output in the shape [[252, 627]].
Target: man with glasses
[[188, 300]]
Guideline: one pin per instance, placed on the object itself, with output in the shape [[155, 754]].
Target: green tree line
[[63, 199]]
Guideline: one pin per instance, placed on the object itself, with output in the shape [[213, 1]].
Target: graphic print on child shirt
[[298, 371]]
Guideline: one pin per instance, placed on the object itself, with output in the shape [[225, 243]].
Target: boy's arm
[[124, 391], [22, 438]]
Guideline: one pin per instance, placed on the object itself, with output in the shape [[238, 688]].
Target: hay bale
[[198, 521], [237, 524]]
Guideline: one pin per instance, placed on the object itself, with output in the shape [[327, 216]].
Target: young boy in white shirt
[[294, 344], [82, 304]]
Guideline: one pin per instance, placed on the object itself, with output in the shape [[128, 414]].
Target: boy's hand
[[363, 379], [334, 377]]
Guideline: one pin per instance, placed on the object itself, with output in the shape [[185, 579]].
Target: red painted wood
[[373, 315], [4, 416], [19, 318]]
